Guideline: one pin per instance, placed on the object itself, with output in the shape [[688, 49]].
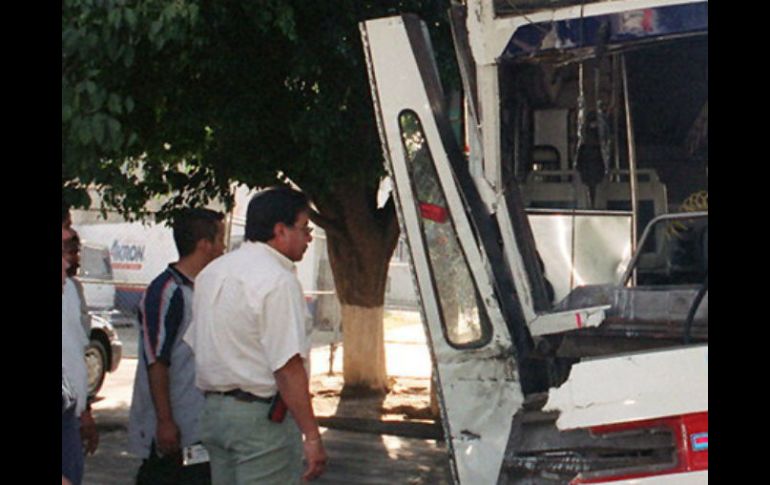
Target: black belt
[[240, 395]]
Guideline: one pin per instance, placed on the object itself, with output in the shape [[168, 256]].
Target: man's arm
[[160, 311], [166, 431], [88, 432], [293, 385]]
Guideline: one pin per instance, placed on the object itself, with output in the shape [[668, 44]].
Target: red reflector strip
[[433, 212], [700, 441]]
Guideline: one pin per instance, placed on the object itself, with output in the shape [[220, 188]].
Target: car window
[[95, 263]]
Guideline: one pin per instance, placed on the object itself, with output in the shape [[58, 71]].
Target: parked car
[[103, 353], [96, 275], [104, 348]]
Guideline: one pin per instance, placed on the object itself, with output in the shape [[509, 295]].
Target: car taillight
[[690, 433]]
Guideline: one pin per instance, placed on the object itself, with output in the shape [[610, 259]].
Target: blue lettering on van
[[127, 252]]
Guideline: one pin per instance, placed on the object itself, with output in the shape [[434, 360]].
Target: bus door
[[453, 259]]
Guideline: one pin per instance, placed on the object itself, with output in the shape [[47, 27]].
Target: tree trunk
[[360, 240], [363, 342]]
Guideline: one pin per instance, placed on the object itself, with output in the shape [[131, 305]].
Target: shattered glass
[[464, 318]]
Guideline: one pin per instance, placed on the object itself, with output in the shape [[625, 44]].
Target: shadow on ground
[[369, 440], [382, 439]]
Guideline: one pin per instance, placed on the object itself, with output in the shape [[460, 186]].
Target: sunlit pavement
[[404, 358], [406, 353]]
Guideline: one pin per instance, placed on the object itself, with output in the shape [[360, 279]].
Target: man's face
[[65, 235], [216, 248], [71, 252], [297, 237]]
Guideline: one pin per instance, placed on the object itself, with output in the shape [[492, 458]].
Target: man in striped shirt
[[166, 404]]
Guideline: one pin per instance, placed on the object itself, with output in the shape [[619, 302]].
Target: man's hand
[[167, 437], [88, 433], [294, 388], [315, 455]]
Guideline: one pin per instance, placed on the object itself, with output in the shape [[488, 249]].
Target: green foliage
[[100, 41], [233, 91]]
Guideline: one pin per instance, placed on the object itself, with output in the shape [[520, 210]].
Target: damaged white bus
[[561, 260]]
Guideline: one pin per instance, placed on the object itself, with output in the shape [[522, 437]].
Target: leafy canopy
[[186, 97]]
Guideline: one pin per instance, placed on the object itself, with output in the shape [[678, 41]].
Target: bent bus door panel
[[472, 348]]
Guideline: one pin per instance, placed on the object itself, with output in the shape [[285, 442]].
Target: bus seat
[[545, 157], [555, 189], [614, 193]]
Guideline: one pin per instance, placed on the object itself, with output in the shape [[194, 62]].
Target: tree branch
[[330, 214], [390, 225], [329, 225]]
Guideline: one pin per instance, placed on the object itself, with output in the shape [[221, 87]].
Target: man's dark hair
[[271, 206], [192, 225]]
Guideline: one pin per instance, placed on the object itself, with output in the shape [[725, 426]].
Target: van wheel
[[96, 363]]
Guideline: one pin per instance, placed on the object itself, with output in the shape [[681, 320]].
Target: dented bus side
[[585, 130]]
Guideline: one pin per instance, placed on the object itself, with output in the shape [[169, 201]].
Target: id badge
[[194, 454]]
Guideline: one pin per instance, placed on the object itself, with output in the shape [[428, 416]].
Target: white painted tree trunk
[[363, 340]]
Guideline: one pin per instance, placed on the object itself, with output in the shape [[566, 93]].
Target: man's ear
[[279, 229], [202, 244]]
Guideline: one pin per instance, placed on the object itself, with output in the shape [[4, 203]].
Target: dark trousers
[[71, 447], [168, 470]]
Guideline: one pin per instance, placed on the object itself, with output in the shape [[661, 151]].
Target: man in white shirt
[[72, 255], [70, 437], [251, 338], [76, 420]]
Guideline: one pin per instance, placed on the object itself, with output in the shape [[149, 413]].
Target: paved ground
[[388, 458]]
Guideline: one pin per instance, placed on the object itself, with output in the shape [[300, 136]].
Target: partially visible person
[[72, 255], [78, 427], [251, 338], [71, 252], [66, 217], [69, 431], [64, 264], [166, 404]]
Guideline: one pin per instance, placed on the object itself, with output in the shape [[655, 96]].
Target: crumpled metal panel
[[651, 311], [633, 387], [539, 453]]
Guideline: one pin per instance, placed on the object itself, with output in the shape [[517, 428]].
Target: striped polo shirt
[[165, 311]]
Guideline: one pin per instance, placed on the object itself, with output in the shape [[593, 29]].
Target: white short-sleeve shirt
[[249, 319], [73, 345]]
